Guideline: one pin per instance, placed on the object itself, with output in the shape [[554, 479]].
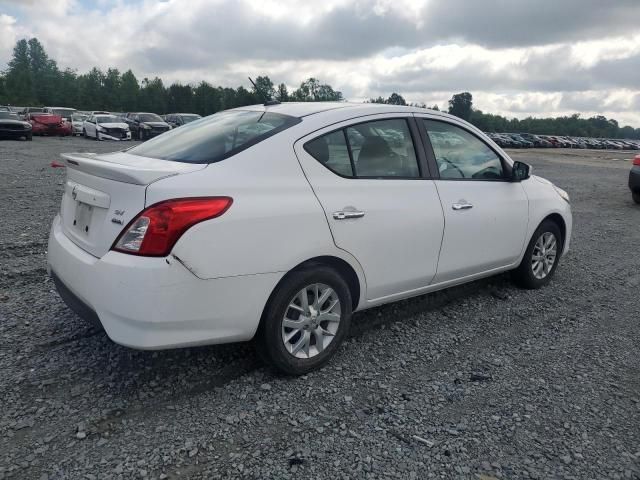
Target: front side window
[[215, 137], [461, 155], [376, 149]]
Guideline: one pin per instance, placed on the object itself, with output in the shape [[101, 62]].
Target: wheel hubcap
[[544, 255], [311, 320]]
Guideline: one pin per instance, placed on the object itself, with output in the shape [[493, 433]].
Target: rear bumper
[[155, 303], [634, 179]]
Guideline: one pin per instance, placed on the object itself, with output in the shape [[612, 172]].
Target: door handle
[[462, 205], [346, 214]]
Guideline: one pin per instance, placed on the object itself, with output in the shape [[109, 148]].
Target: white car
[[77, 123], [280, 221], [105, 127]]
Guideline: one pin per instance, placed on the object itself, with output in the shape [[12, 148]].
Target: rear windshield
[[215, 137], [149, 117], [108, 119]]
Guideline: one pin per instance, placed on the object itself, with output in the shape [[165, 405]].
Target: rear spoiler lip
[[138, 174]]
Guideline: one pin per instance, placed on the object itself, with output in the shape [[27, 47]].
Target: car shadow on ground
[[167, 376]]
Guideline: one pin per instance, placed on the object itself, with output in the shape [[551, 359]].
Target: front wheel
[[541, 257], [636, 197], [307, 318]]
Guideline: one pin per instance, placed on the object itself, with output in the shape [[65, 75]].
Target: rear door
[[486, 215], [382, 208]]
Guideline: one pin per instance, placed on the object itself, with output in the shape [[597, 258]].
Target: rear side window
[[376, 149], [331, 150], [215, 137]]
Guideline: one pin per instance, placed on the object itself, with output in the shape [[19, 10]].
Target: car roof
[[349, 109]]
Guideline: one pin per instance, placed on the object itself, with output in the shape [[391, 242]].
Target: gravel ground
[[482, 381]]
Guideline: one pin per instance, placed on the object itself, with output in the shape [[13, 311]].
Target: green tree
[[461, 105], [44, 73], [111, 90], [206, 99], [180, 98], [265, 88], [282, 95], [312, 90], [129, 91], [18, 82], [396, 99]]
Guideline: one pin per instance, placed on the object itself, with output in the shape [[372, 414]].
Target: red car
[[49, 124]]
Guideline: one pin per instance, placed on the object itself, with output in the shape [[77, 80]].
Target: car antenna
[[266, 99]]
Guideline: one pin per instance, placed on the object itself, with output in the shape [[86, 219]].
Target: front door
[[379, 206], [486, 215]]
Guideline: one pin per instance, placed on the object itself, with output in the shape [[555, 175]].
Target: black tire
[[84, 133], [269, 342], [524, 274], [636, 197], [141, 134], [29, 137]]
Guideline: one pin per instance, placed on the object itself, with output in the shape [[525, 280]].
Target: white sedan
[[280, 221], [105, 127]]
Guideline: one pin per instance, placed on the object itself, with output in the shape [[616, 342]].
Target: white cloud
[[516, 59]]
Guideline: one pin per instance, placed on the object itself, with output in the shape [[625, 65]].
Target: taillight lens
[[156, 229], [636, 160]]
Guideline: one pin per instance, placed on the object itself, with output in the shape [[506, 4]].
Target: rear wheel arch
[[342, 267]]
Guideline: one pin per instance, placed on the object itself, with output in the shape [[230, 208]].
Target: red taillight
[[636, 161], [156, 229]]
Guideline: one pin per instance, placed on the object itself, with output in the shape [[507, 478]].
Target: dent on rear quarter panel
[[275, 221]]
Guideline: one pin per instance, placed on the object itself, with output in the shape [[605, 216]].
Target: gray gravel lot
[[481, 381]]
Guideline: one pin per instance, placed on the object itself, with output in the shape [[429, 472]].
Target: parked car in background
[[634, 179], [28, 110], [179, 119], [158, 243], [4, 108], [105, 127], [120, 115], [146, 125], [534, 139], [11, 126], [64, 112], [48, 124], [77, 123], [612, 145], [629, 145], [524, 143]]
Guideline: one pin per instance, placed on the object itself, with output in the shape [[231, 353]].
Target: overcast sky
[[517, 57]]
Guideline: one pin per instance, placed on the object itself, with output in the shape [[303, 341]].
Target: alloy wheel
[[544, 255], [311, 320]]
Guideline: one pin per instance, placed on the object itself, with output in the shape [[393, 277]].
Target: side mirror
[[520, 171]]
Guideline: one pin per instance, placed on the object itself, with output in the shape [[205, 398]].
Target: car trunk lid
[[103, 193]]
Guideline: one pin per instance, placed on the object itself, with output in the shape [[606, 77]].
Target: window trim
[[506, 167], [418, 148]]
